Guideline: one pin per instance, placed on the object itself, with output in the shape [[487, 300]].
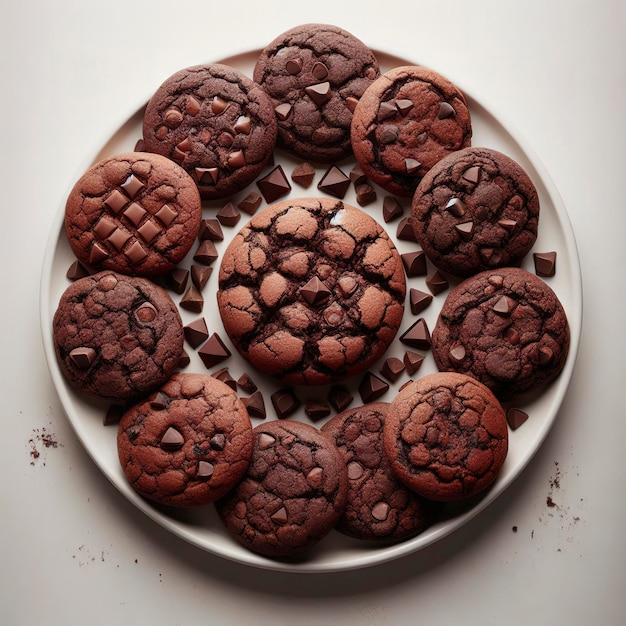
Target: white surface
[[74, 550]]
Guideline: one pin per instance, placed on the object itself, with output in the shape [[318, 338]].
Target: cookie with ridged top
[[188, 443], [406, 121], [315, 75], [216, 123], [311, 291], [133, 212], [293, 493], [475, 210]]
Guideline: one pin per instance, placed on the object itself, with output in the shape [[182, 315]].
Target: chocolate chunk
[[251, 203], [200, 275], [412, 361], [516, 417], [205, 469], [457, 354], [437, 283], [243, 125], [389, 134], [113, 414], [214, 351], [404, 105], [218, 442], [465, 230], [218, 105], [508, 225], [274, 185], [315, 292], [83, 357], [246, 383], [418, 300], [226, 378], [192, 300], [160, 401], [445, 110], [183, 360], [334, 182], [339, 398], [456, 207], [172, 440], [357, 176], [196, 332], [285, 402], [503, 306], [76, 270], [294, 66], [365, 194], [255, 405], [414, 263], [319, 93], [206, 253], [316, 409], [303, 174], [545, 263], [392, 368], [412, 166], [380, 511], [282, 111], [405, 230], [371, 387], [280, 516], [210, 229], [176, 280], [472, 174], [417, 336], [386, 110], [228, 215], [320, 71], [392, 208]]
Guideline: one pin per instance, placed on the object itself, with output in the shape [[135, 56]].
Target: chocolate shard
[[545, 263], [405, 230], [282, 111], [417, 335], [334, 182], [176, 280], [418, 300], [255, 405], [315, 292], [371, 387], [224, 376], [214, 351], [183, 360], [412, 166], [172, 440], [274, 185], [246, 383], [285, 402]]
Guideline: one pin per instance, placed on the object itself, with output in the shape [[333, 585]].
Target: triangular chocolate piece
[[417, 335], [371, 387], [255, 405], [315, 292], [334, 182], [172, 440], [274, 185], [196, 332], [214, 351], [319, 93]]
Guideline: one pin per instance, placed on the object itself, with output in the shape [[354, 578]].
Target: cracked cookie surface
[[314, 75], [406, 121], [116, 336], [446, 436], [475, 210], [379, 506], [216, 123], [134, 213], [188, 443], [506, 328], [293, 493], [311, 291]]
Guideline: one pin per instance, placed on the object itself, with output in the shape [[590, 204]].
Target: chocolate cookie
[[216, 123], [311, 291], [504, 327], [406, 121], [134, 213], [293, 493], [474, 210], [116, 336], [446, 436], [188, 443], [378, 506], [314, 75]]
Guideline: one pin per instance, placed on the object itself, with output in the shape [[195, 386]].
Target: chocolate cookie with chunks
[[293, 493], [315, 75], [506, 328], [216, 123], [187, 444], [116, 336], [311, 291], [379, 506], [134, 213], [446, 436], [406, 121], [476, 209]]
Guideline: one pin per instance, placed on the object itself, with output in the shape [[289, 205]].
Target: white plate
[[201, 527]]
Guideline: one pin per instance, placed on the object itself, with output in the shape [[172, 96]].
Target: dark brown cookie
[[379, 506], [293, 493], [474, 210], [314, 75], [188, 444], [311, 291], [116, 336], [216, 123], [134, 213], [406, 121], [504, 327], [446, 436]]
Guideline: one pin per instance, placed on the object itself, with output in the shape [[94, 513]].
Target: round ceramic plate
[[201, 527]]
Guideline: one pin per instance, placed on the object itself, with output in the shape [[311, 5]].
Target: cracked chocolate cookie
[[476, 209], [134, 213], [504, 327], [378, 506], [406, 121], [187, 444], [293, 493], [311, 291], [116, 336], [446, 436], [216, 123], [315, 75]]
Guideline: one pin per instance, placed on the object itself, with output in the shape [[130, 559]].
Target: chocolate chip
[[386, 110], [303, 174], [282, 111], [316, 409], [339, 398], [200, 275], [294, 66], [404, 106], [320, 71], [83, 357], [319, 93], [266, 441], [228, 215], [145, 313], [405, 230], [508, 225], [218, 105], [214, 351], [97, 253], [392, 368], [210, 229], [192, 300], [414, 263], [315, 292], [412, 361], [183, 360], [76, 270], [545, 263], [172, 440], [437, 283], [274, 185], [389, 134], [285, 402], [516, 417], [196, 332], [411, 166], [380, 511], [334, 182], [503, 306], [465, 230], [371, 387], [280, 516], [251, 203], [417, 335], [472, 174], [456, 207], [543, 355], [160, 401], [206, 253], [246, 383], [445, 110], [457, 354], [205, 469], [392, 208], [207, 175], [218, 441], [418, 300], [255, 405]]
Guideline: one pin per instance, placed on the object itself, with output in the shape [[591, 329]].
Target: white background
[[73, 550]]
